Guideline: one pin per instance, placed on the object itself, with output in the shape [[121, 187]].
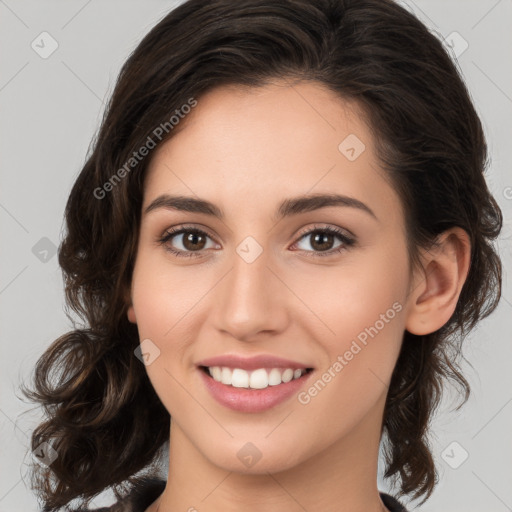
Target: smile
[[253, 384], [258, 379]]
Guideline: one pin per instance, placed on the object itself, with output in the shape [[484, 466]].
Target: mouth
[[255, 384], [260, 378]]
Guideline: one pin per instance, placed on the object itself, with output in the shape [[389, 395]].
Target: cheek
[[163, 302], [162, 295], [362, 312], [350, 297]]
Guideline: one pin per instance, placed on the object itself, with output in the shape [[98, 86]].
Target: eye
[[323, 238], [192, 241], [189, 240]]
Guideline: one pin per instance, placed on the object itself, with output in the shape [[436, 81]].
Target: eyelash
[[347, 242]]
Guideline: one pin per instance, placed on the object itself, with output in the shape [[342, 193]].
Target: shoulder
[[392, 503], [144, 492]]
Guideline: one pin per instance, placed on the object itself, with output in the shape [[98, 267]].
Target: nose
[[251, 300]]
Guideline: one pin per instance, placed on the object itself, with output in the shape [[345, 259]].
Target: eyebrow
[[289, 207]]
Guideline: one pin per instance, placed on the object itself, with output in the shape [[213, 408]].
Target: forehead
[[247, 147]]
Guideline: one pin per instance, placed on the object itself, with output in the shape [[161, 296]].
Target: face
[[268, 283]]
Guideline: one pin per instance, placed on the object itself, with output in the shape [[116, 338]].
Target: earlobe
[[131, 314], [437, 289]]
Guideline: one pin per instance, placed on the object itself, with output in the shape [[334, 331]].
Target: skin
[[246, 150]]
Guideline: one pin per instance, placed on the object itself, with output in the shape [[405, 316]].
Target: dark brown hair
[[103, 416]]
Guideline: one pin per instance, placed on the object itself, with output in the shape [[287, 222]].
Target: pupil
[[192, 240], [322, 236]]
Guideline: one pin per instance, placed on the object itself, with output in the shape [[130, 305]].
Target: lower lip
[[252, 400]]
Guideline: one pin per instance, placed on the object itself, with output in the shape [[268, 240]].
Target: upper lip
[[252, 363]]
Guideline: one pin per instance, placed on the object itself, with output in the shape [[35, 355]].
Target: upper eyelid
[[177, 230], [317, 227]]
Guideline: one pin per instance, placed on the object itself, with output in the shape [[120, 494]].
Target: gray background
[[51, 108]]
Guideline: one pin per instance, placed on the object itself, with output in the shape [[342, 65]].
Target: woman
[[278, 244]]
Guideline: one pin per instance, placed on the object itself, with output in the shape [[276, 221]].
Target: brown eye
[[193, 241], [323, 240], [185, 241]]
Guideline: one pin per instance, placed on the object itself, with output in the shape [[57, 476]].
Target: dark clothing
[[149, 489], [391, 503]]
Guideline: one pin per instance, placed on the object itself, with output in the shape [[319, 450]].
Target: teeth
[[239, 378], [274, 377], [225, 376], [287, 375], [216, 373], [257, 379]]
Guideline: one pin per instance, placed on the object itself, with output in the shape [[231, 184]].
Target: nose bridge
[[249, 300]]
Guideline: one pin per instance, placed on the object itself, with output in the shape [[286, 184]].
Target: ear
[[437, 286], [130, 312]]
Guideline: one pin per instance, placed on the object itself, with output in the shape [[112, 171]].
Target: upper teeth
[[257, 379]]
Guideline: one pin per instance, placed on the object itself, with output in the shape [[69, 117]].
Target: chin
[[257, 457]]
